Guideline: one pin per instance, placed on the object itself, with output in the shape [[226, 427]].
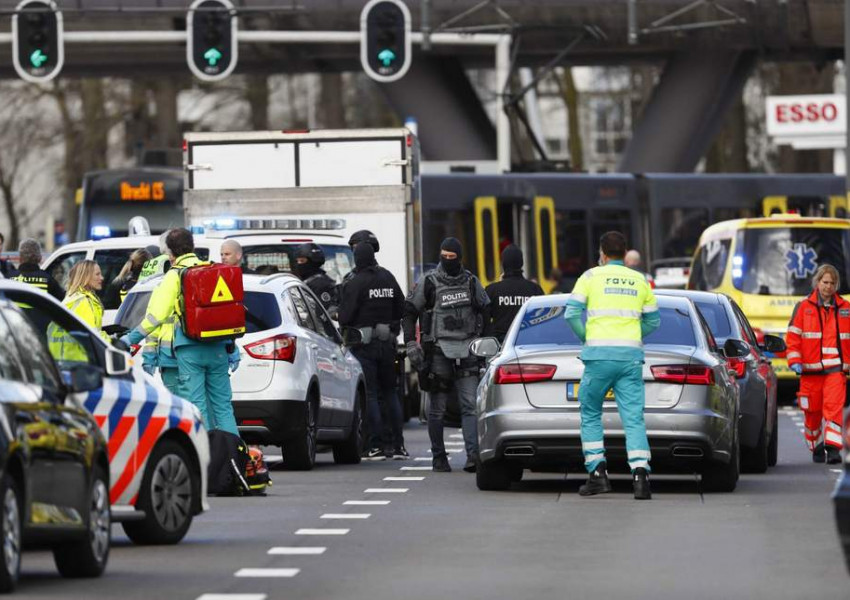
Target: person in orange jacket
[[818, 343]]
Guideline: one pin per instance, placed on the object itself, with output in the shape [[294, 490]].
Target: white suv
[[297, 385]]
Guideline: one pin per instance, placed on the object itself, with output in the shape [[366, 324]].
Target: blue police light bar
[[229, 224], [100, 231]]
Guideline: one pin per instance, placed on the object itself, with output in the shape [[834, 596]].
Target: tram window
[[808, 206], [441, 224], [487, 243], [611, 220], [681, 229], [710, 265], [546, 235], [571, 233]]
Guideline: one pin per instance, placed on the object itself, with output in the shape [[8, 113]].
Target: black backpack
[[228, 460]]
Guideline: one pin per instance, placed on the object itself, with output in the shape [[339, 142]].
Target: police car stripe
[[121, 404], [138, 457]]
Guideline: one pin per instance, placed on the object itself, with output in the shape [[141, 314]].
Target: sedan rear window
[[546, 325], [716, 318], [261, 311]]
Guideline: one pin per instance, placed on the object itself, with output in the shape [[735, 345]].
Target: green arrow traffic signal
[[386, 56], [38, 58], [212, 56]]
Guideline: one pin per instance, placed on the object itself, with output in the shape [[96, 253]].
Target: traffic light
[[385, 39], [38, 48], [211, 47]]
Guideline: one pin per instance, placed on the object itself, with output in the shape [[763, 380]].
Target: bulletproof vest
[[323, 286], [453, 316]]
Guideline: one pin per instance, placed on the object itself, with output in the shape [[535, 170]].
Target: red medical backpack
[[212, 304]]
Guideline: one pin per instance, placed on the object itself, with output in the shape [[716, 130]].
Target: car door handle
[[314, 346]]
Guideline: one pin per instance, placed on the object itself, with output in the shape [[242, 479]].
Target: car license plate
[[572, 391]]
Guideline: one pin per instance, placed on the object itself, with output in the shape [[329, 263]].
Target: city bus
[[110, 198]]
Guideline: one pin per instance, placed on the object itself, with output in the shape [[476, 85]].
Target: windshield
[[268, 259], [546, 325], [780, 261]]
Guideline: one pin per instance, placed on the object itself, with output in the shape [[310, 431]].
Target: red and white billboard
[[810, 121]]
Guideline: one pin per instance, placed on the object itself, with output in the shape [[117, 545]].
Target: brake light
[[259, 422], [683, 374], [134, 349], [517, 373], [739, 365], [279, 347]]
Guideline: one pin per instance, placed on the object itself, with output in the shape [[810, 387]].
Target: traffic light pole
[[501, 43]]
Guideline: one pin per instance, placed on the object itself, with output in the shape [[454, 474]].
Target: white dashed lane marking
[[456, 436], [322, 532], [385, 491], [346, 516], [297, 550], [367, 502], [232, 597], [404, 478], [416, 469], [251, 572]]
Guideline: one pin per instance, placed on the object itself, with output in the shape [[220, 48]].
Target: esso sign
[[811, 115]]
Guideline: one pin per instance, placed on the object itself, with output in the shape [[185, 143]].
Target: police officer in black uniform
[[372, 301], [508, 295], [451, 306], [364, 235], [309, 259], [29, 271]]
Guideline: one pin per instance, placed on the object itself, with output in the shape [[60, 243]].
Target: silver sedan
[[528, 412]]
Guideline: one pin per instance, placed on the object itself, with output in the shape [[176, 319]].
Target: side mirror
[[351, 336], [117, 362], [735, 348], [85, 378], [773, 344], [486, 347]]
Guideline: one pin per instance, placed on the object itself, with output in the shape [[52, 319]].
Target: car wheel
[[349, 451], [88, 556], [10, 566], [773, 447], [169, 491], [299, 453], [516, 474], [755, 459], [493, 475], [723, 477]]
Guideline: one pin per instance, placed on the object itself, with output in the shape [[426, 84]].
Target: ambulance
[[766, 265]]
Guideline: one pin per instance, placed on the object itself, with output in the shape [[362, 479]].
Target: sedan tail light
[[683, 374], [279, 347], [739, 365], [525, 373]]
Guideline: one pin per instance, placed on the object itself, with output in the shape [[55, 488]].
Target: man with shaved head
[[633, 261], [231, 254]]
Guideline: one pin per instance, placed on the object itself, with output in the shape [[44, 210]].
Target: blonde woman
[[84, 281]]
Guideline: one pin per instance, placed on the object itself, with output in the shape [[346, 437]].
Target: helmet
[[312, 252], [364, 235]]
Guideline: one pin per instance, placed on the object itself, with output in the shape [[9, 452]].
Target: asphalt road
[[774, 537]]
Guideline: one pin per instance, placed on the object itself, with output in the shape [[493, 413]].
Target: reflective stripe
[[834, 426], [593, 445], [639, 464], [812, 366], [613, 312], [844, 336], [813, 335], [150, 322], [831, 362], [793, 355], [651, 308], [792, 329], [618, 343], [833, 437], [804, 402], [639, 454], [829, 350], [578, 298]]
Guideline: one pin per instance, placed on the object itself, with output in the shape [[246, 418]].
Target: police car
[[157, 445]]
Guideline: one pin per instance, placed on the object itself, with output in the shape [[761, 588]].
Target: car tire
[[492, 476], [773, 446], [756, 460], [516, 474], [88, 556], [350, 451], [723, 477], [299, 453], [168, 492], [11, 528]]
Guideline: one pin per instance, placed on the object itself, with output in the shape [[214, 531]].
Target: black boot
[[597, 482], [471, 463], [818, 455], [441, 464], [833, 455], [640, 480]]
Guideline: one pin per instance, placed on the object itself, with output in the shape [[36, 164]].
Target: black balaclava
[[512, 260], [453, 266], [364, 256]]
